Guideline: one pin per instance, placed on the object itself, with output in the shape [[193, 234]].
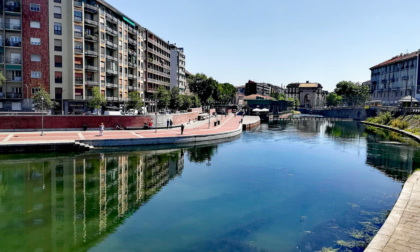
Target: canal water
[[294, 186]]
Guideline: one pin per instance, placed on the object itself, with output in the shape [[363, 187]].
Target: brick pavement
[[401, 230], [227, 124]]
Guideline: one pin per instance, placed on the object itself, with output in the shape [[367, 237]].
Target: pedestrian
[[182, 129], [170, 122], [101, 129], [150, 124], [167, 124]]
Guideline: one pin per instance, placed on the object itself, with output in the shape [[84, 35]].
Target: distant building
[[241, 89], [366, 83], [309, 94], [252, 87], [395, 78], [187, 86], [178, 78]]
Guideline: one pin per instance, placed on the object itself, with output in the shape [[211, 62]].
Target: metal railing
[[14, 61], [110, 71], [91, 37], [78, 80], [91, 8], [91, 22], [91, 83], [110, 18], [111, 45], [91, 68], [111, 31], [13, 95], [12, 26], [110, 57], [78, 34], [13, 44], [91, 53], [78, 50], [78, 3], [78, 66]]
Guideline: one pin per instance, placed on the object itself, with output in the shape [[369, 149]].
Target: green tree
[[186, 102], [163, 96], [203, 86], [278, 96], [176, 99], [352, 93], [196, 103], [134, 101], [333, 99], [47, 103], [97, 100], [2, 78], [296, 103]]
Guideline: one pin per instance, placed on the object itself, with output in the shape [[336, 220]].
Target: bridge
[[330, 119]]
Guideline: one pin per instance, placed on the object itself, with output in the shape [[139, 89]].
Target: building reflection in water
[[72, 204]]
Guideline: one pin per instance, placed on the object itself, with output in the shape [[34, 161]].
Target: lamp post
[[62, 103], [42, 114], [156, 112], [27, 90]]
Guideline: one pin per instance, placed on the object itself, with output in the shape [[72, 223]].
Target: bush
[[397, 123], [366, 107]]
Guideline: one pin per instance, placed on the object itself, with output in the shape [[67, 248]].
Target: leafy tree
[[163, 96], [352, 93], [47, 103], [333, 99], [134, 101], [278, 96], [186, 102], [2, 78], [97, 100], [176, 99], [196, 101], [296, 103], [203, 86]]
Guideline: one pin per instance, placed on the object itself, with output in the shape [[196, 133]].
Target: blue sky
[[280, 42]]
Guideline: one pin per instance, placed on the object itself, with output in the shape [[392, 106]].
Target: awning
[[13, 67], [265, 110], [408, 99], [256, 110]]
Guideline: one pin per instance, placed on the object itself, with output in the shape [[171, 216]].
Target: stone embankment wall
[[250, 122], [69, 122], [353, 113]]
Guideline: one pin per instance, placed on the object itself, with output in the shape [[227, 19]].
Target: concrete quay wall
[[353, 113], [162, 140], [403, 132], [250, 122]]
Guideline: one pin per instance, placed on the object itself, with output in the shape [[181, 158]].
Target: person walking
[[150, 124], [182, 129], [101, 129], [170, 122], [167, 124]]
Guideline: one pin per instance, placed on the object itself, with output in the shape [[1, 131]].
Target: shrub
[[366, 107]]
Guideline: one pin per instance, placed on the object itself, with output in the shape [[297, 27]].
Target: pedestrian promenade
[[401, 230], [227, 124]]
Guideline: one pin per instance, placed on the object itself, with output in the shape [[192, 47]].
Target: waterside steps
[[44, 146], [330, 119]]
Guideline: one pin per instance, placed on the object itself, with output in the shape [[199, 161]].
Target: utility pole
[[62, 103], [42, 114]]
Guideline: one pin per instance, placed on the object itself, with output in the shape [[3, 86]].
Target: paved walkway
[[228, 123], [401, 231]]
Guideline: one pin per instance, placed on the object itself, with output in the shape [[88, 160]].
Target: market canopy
[[264, 110], [408, 98], [256, 110]]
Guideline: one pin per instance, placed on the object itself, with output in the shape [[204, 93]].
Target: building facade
[[309, 94], [71, 46], [178, 78], [252, 87], [395, 78]]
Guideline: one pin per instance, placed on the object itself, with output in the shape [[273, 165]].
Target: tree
[[134, 101], [278, 96], [47, 103], [2, 78], [352, 93], [196, 101], [97, 100], [296, 103], [186, 102], [163, 96], [203, 86], [176, 99], [333, 99]]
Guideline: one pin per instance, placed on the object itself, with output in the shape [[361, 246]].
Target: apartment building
[[178, 75], [23, 51], [158, 61], [261, 88], [395, 78], [92, 44]]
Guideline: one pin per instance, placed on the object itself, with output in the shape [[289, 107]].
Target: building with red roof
[[395, 78]]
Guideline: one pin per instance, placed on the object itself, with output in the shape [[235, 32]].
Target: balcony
[[12, 6], [91, 83], [78, 97], [111, 72], [90, 37], [78, 80], [78, 19], [111, 98], [78, 3], [111, 19], [132, 42], [111, 45], [91, 53], [12, 26], [90, 22], [131, 65], [78, 50], [91, 68], [112, 85], [78, 34], [132, 52], [58, 80], [130, 76], [132, 30], [91, 8], [14, 61], [78, 66], [13, 44], [110, 57], [111, 31], [13, 95]]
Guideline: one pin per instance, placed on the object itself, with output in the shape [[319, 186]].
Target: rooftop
[[258, 97], [398, 58]]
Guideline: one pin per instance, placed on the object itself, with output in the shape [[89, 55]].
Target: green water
[[298, 186]]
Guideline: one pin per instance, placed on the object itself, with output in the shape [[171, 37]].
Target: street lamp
[[42, 114], [62, 103], [156, 116], [27, 90]]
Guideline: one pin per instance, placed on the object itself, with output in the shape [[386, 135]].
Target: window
[[17, 90], [57, 12], [57, 28], [16, 106], [58, 77], [35, 90], [35, 74], [35, 41], [58, 61], [77, 16], [1, 105], [78, 31], [58, 45], [57, 1], [36, 57], [35, 24], [34, 7]]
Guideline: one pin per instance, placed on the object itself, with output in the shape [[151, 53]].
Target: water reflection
[[72, 204]]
